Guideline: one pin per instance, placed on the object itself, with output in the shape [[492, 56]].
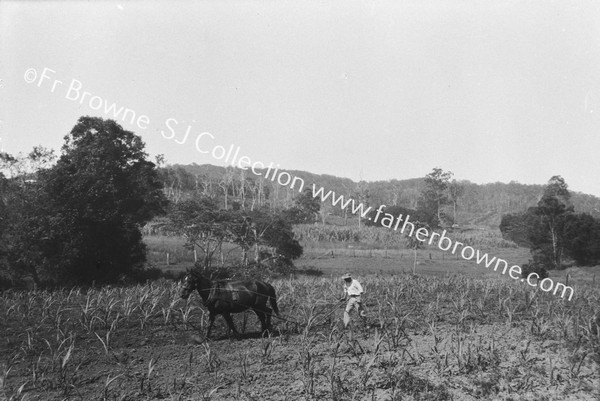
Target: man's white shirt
[[354, 288]]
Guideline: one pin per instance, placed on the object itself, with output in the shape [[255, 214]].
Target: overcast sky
[[490, 90]]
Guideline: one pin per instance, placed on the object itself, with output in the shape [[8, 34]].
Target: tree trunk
[[256, 253], [454, 214], [415, 262], [555, 253], [244, 256], [207, 259]]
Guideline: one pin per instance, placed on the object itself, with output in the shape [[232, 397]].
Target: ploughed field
[[426, 338]]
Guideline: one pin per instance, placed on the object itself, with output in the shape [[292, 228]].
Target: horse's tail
[[273, 299]]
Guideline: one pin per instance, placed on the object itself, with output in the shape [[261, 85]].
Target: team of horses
[[224, 297]]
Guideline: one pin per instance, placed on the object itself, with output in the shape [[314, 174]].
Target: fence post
[[167, 258]]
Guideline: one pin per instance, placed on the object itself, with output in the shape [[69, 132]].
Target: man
[[352, 291]]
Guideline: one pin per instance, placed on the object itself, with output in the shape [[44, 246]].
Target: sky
[[493, 91]]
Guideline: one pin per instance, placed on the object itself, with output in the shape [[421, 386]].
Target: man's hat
[[346, 276]]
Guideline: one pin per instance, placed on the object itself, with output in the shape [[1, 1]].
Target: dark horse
[[225, 297]]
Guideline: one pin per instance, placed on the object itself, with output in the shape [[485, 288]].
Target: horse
[[224, 297]]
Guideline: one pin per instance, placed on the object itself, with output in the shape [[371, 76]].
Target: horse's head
[[189, 285]]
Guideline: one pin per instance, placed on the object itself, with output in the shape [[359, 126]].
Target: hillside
[[481, 204]]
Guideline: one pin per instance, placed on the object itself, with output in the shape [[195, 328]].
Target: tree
[[308, 204], [25, 167], [517, 227], [434, 196], [455, 191], [552, 230], [24, 213], [203, 225], [257, 190], [268, 233], [98, 195], [582, 239], [305, 209], [4, 234], [207, 227], [362, 196], [25, 219], [176, 182], [552, 210], [226, 182]]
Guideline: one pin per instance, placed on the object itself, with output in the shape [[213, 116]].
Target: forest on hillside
[[475, 204]]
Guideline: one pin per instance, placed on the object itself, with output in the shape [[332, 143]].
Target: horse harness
[[217, 289]]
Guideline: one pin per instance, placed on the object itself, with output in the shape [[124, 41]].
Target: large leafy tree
[[272, 230], [23, 214], [518, 227], [99, 194], [207, 227]]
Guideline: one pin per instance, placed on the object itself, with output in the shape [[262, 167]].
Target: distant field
[[396, 261], [335, 257]]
